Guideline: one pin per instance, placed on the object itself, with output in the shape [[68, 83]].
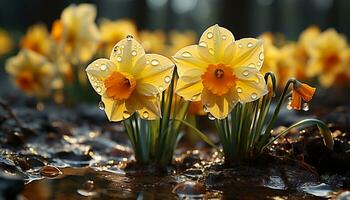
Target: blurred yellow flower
[[77, 32], [153, 41], [31, 72], [272, 54], [37, 39], [114, 31], [178, 40], [5, 42], [221, 71], [131, 81], [328, 53]]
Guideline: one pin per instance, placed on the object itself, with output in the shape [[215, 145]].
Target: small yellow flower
[[327, 57], [77, 32], [221, 71], [130, 81], [37, 39], [31, 72], [301, 91], [114, 31], [5, 42], [153, 41]]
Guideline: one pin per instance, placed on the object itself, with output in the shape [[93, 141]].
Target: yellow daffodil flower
[[130, 81], [153, 41], [37, 39], [31, 72], [114, 31], [327, 57], [77, 32], [5, 42], [301, 91], [221, 71]]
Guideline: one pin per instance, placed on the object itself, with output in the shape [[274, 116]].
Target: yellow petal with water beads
[[249, 52]]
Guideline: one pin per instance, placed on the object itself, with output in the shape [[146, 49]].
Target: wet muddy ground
[[53, 152]]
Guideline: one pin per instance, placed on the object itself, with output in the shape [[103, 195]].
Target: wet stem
[[246, 132]]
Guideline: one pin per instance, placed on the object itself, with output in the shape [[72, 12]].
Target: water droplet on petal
[[211, 51], [259, 64], [154, 62], [122, 46], [289, 107], [119, 59], [161, 88], [245, 73], [240, 46], [116, 50], [186, 54], [251, 65], [133, 52], [211, 117], [205, 108], [167, 79], [209, 35], [203, 44], [101, 105], [145, 114], [98, 89], [249, 45], [103, 67], [254, 95], [129, 37], [239, 90], [261, 56], [224, 37], [194, 97], [96, 64], [305, 107], [126, 114]]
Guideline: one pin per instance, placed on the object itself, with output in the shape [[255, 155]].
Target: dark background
[[244, 18]]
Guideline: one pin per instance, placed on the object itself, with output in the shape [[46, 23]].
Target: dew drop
[[249, 45], [289, 107], [101, 105], [122, 46], [167, 79], [203, 44], [209, 35], [103, 67], [129, 37], [251, 65], [126, 114], [261, 56], [147, 62], [245, 73], [154, 62], [161, 88], [96, 64], [259, 64], [211, 51], [145, 114], [119, 59], [194, 97], [305, 107], [98, 89], [240, 46], [116, 50], [254, 95], [239, 90], [211, 117], [50, 171], [224, 37], [186, 54], [205, 108], [133, 52]]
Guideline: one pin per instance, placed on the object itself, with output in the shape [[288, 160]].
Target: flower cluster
[[320, 55]]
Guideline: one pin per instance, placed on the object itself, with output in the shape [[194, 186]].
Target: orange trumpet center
[[219, 79], [119, 86]]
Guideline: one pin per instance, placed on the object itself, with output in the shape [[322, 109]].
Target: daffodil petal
[[217, 39], [148, 107], [249, 52], [155, 76], [189, 62], [250, 84], [116, 110], [190, 91], [219, 106], [126, 53], [98, 71]]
